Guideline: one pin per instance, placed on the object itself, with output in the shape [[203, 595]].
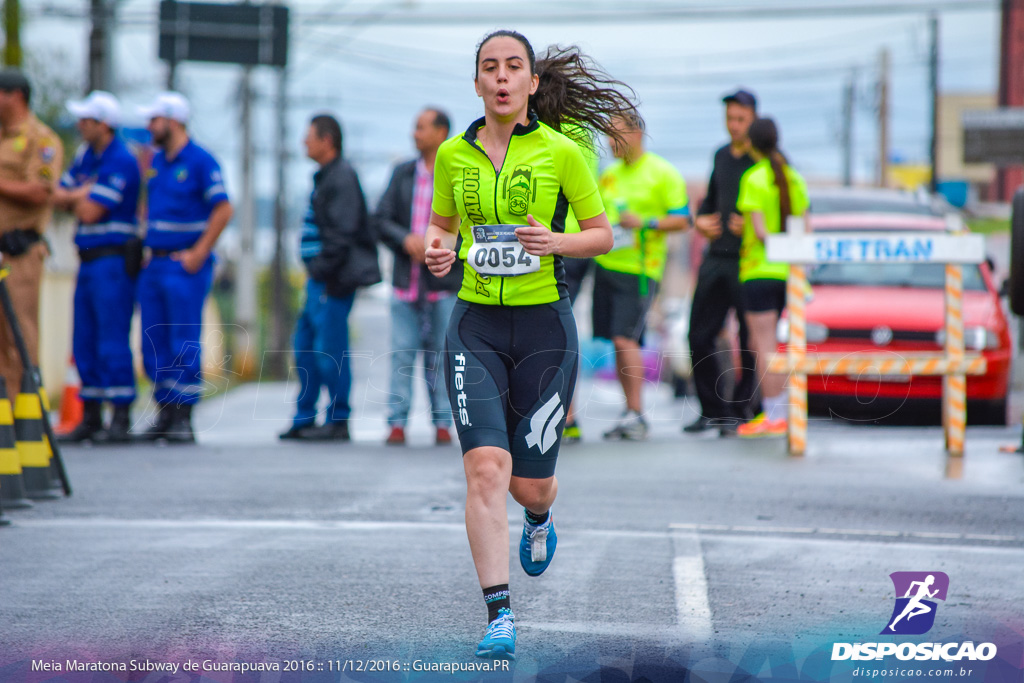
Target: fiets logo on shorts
[[544, 425], [461, 399], [471, 195], [914, 614]]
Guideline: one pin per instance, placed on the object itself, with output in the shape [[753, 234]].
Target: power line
[[468, 13], [458, 14]]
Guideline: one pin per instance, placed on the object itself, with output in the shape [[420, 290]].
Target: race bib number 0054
[[497, 251]]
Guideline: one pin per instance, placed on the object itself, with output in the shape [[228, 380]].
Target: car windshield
[[871, 204], [915, 275]]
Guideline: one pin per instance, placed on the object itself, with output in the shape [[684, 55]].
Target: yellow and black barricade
[[33, 434], [30, 438], [12, 488]]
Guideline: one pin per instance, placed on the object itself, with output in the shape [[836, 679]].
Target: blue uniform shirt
[[182, 194], [115, 179]]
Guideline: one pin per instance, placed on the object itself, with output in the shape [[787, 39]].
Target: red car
[[899, 308]]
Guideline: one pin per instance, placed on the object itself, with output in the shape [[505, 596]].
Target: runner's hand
[[736, 224], [709, 225], [438, 259], [630, 220], [537, 239]]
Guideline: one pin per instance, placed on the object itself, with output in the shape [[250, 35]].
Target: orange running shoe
[[761, 427]]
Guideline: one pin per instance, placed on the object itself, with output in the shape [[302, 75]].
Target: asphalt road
[[716, 557]]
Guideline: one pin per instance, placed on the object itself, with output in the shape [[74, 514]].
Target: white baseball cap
[[99, 105], [171, 105]]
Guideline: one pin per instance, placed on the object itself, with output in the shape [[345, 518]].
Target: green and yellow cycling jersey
[[651, 188], [544, 174], [759, 193]]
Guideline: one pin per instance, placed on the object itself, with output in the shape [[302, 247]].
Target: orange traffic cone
[[70, 401]]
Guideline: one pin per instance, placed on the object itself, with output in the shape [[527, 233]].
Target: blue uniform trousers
[[171, 302], [321, 354], [104, 303]]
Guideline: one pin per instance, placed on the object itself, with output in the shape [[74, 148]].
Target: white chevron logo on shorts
[[544, 425]]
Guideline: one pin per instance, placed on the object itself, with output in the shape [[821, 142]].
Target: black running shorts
[[619, 310], [764, 295], [511, 371]]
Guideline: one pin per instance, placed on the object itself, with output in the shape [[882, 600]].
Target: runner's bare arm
[[440, 238], [593, 239]]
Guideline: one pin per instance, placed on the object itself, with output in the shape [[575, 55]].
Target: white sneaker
[[632, 427]]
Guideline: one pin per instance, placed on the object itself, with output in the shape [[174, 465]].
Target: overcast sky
[[378, 72]]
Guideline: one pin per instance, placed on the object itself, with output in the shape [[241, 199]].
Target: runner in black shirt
[[718, 287]]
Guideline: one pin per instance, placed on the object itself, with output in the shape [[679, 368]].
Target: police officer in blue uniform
[[188, 209], [102, 189]]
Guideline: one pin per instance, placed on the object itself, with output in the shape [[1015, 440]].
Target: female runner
[[502, 191]]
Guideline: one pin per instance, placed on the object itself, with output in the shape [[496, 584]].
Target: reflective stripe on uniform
[[181, 387], [213, 191], [108, 192], [105, 228], [99, 393], [171, 226]]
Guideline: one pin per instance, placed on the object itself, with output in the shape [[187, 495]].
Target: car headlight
[[816, 332], [975, 338]]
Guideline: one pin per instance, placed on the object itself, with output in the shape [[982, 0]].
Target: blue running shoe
[[537, 546], [500, 640]]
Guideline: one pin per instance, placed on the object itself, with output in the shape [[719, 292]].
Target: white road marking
[[693, 610], [858, 533], [515, 527]]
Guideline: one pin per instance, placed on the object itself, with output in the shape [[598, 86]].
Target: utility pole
[[849, 99], [245, 279], [12, 31], [883, 117], [281, 322], [172, 63], [933, 86], [1011, 85], [99, 45]]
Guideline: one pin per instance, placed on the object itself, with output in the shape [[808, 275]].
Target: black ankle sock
[[496, 597], [537, 519]]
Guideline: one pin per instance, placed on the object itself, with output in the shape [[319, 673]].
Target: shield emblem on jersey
[[519, 190]]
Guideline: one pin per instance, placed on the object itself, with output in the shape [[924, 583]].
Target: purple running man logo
[[916, 592]]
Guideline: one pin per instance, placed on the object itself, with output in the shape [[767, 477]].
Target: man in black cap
[[718, 287], [31, 158]]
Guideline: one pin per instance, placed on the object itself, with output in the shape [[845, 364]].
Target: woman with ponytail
[[770, 192], [502, 193]]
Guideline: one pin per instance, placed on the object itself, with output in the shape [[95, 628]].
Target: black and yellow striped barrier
[[48, 435], [30, 439], [33, 434], [12, 488]]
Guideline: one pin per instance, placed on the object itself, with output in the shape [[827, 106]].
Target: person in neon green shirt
[[576, 269], [502, 192], [770, 192], [645, 198]]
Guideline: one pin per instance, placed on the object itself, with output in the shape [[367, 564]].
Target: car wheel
[[1017, 254], [987, 412]]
